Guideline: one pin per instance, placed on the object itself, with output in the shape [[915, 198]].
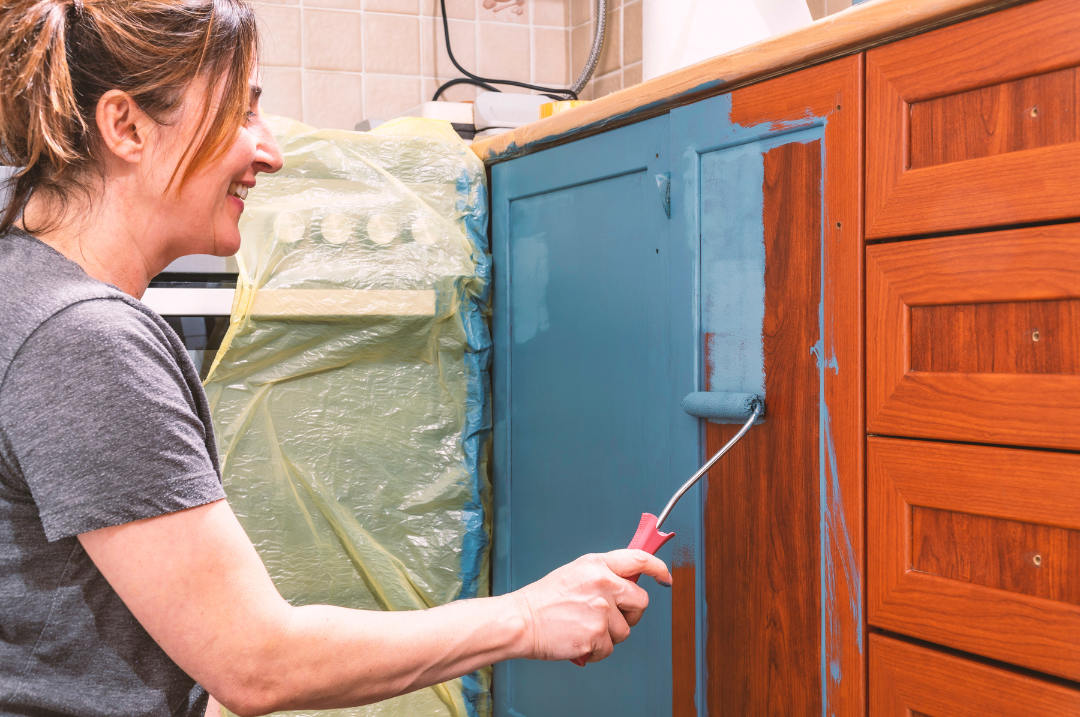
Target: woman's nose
[[268, 157]]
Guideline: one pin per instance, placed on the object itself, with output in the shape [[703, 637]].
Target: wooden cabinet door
[[975, 125], [911, 681], [765, 187], [976, 338], [978, 548], [594, 351]]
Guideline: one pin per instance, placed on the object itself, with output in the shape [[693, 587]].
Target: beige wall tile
[[280, 2], [606, 85], [835, 6], [504, 52], [611, 55], [631, 75], [457, 93], [279, 33], [817, 8], [282, 92], [513, 11], [553, 13], [332, 41], [631, 33], [405, 7], [335, 4], [455, 9], [580, 43], [389, 95], [333, 100], [434, 60], [581, 11], [392, 44], [550, 56]]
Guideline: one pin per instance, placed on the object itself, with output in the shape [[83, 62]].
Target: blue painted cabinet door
[[595, 346]]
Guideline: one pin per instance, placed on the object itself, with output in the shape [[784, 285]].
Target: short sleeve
[[101, 424]]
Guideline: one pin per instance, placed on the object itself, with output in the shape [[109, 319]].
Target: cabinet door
[[976, 338], [765, 185], [594, 350], [911, 681], [975, 125], [977, 548]]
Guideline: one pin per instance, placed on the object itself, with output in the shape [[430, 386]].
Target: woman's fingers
[[588, 606], [628, 563]]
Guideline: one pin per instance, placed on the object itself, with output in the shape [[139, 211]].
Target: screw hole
[[839, 225], [1035, 335], [838, 108], [658, 156], [1035, 111], [1037, 560]]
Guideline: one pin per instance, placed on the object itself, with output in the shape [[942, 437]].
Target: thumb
[[628, 563]]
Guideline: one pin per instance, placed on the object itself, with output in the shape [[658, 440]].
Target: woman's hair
[[58, 57]]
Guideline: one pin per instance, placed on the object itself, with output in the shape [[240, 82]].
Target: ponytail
[[58, 57]]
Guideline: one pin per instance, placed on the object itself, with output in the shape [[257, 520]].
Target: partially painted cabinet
[[714, 248], [895, 539]]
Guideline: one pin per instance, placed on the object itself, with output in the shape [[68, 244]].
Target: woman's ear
[[124, 128]]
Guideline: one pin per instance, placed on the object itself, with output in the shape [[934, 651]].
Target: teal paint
[[590, 361], [530, 272]]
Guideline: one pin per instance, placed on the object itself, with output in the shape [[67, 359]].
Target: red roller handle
[[647, 538]]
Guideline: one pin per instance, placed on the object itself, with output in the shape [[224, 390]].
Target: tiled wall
[[620, 61], [332, 63]]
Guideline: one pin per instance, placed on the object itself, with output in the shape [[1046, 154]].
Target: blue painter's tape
[[474, 295]]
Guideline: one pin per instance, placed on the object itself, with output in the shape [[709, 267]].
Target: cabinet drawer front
[[907, 680], [975, 125], [977, 548], [976, 338]]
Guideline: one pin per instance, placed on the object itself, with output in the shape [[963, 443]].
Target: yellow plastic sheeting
[[350, 394]]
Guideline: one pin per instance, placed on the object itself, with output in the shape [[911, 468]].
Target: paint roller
[[716, 407]]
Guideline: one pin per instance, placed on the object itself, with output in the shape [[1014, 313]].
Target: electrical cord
[[487, 83]]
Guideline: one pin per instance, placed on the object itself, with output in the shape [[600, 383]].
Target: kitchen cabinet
[[607, 313], [897, 537]]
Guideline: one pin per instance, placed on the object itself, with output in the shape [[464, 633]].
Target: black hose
[[471, 79]]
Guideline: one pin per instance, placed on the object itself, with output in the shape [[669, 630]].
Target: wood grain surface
[[683, 640], [761, 521], [966, 93], [848, 32], [968, 579], [909, 680], [765, 509], [1040, 264], [1005, 337]]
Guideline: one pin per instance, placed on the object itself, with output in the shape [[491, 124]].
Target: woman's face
[[202, 217]]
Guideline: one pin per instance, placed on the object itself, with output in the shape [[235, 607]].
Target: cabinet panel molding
[[908, 680], [1005, 370], [975, 125], [977, 548]]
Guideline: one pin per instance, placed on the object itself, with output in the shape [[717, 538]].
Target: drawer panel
[[975, 125], [977, 548], [976, 338], [911, 681]]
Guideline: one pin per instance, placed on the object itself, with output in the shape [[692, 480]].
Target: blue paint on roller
[[722, 406]]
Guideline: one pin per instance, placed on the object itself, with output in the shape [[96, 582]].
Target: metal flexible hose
[[597, 46]]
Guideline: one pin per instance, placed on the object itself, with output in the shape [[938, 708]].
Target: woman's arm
[[195, 582]]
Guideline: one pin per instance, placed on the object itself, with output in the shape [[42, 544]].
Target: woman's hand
[[587, 606]]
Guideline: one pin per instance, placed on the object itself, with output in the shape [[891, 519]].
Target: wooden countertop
[[871, 23]]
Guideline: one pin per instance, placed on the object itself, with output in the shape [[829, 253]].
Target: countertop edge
[[856, 29]]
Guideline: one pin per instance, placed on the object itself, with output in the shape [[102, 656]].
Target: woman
[[126, 581]]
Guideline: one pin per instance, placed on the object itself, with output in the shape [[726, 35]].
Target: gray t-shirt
[[102, 421]]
